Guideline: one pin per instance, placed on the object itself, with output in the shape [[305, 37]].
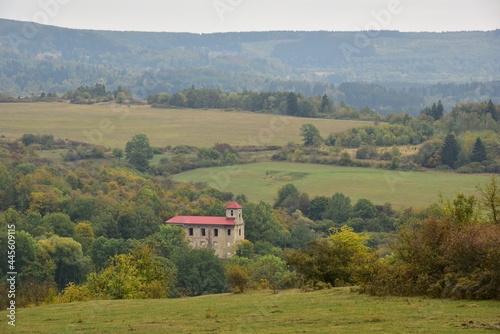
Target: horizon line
[[245, 31]]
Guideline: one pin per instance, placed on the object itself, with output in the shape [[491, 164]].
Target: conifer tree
[[433, 111], [478, 151], [326, 104], [450, 151], [292, 106], [491, 109], [439, 111]]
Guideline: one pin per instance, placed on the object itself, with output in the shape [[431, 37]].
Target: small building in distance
[[218, 233]]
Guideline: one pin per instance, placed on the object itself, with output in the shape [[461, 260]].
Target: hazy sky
[[256, 15]]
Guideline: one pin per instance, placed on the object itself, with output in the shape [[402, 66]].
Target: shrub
[[473, 167], [366, 152], [35, 292], [74, 293], [443, 168], [184, 149], [338, 260], [238, 277], [440, 259]]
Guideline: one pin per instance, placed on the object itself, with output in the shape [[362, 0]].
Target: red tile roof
[[234, 205], [200, 220]]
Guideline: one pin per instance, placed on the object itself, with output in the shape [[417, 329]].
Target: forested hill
[[36, 58]]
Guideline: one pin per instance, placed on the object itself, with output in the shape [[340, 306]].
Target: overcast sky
[[204, 16]]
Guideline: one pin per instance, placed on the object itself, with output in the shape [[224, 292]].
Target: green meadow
[[327, 311], [260, 181], [113, 125]]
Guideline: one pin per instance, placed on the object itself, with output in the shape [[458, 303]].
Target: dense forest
[[395, 72]]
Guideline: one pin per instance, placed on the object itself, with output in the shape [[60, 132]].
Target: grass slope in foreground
[[260, 181], [116, 124], [291, 311]]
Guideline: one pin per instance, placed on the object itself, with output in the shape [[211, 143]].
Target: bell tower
[[235, 211]]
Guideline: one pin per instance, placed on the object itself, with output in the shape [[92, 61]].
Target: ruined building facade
[[219, 233]]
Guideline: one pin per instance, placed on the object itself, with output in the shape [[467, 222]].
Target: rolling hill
[[113, 125], [405, 71], [289, 311], [261, 181]]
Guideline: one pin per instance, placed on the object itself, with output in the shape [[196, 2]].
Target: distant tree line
[[286, 103], [23, 79], [96, 94]]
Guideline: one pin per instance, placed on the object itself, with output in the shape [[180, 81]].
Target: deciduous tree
[[199, 271], [339, 208], [59, 223], [342, 258], [238, 273], [137, 274], [261, 224], [66, 253], [310, 135], [138, 151], [84, 234], [317, 207], [365, 209], [268, 271], [490, 198]]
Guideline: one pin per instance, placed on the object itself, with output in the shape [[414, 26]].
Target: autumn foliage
[[446, 257]]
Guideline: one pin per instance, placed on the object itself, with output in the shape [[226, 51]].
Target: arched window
[[229, 231]]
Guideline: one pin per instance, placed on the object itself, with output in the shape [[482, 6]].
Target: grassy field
[[113, 125], [327, 311], [260, 181]]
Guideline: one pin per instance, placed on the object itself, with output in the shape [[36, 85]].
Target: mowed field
[[260, 181], [113, 125], [291, 311]]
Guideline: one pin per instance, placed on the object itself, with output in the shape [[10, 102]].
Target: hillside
[[113, 125], [261, 181], [404, 69], [291, 311]]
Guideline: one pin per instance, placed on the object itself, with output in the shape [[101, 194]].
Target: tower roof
[[234, 205]]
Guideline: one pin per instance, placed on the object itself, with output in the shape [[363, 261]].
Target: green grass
[[327, 311], [113, 125], [260, 181]]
